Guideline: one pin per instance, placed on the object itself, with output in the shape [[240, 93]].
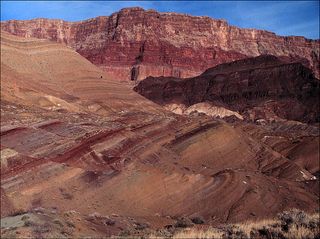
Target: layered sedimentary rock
[[77, 143], [206, 108], [262, 87], [134, 43]]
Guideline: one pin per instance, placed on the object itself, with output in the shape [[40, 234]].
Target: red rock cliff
[[134, 43], [264, 83]]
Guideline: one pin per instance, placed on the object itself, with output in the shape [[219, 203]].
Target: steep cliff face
[[262, 87], [135, 43]]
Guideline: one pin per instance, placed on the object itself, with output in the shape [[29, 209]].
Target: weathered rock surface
[[134, 43], [72, 141], [206, 108], [262, 87]]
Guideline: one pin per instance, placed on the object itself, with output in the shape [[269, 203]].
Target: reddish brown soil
[[6, 205], [71, 140]]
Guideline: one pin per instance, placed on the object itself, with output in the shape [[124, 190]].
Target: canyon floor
[[83, 155]]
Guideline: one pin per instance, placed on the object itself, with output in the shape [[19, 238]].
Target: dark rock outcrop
[[250, 86]]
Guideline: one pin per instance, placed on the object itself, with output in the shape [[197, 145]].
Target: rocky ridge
[[135, 43], [263, 87]]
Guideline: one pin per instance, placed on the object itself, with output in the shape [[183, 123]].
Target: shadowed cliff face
[[133, 43], [255, 87]]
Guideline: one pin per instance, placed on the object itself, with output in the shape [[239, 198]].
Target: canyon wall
[[260, 87], [135, 43]]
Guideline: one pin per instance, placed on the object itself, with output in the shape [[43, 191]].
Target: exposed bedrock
[[74, 141], [263, 87], [135, 43]]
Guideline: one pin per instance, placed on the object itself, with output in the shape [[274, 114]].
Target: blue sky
[[282, 17]]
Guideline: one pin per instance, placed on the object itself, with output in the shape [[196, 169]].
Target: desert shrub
[[58, 222], [299, 225], [70, 224], [28, 223], [66, 232], [183, 222], [109, 222], [141, 226], [293, 216], [197, 220], [234, 231], [169, 226], [159, 234], [301, 232], [267, 232], [199, 234], [124, 233]]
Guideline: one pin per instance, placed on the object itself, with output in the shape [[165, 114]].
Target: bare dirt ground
[[95, 157]]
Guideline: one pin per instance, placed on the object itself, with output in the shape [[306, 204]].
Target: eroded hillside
[[259, 88], [80, 148]]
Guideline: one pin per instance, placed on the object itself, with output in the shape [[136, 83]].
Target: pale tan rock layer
[[135, 43]]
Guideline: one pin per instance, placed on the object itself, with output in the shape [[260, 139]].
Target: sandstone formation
[[84, 155], [263, 87], [135, 43], [206, 108]]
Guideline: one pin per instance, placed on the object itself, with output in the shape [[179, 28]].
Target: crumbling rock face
[[260, 87], [134, 43], [206, 108]]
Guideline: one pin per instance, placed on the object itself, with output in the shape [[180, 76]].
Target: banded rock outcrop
[[76, 142], [135, 43], [263, 87]]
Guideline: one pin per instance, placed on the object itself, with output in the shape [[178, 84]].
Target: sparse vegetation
[[110, 222], [196, 233], [183, 222], [141, 226], [58, 222], [293, 224], [125, 233], [197, 220], [70, 224], [28, 223]]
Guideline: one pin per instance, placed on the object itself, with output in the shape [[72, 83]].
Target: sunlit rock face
[[135, 43]]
